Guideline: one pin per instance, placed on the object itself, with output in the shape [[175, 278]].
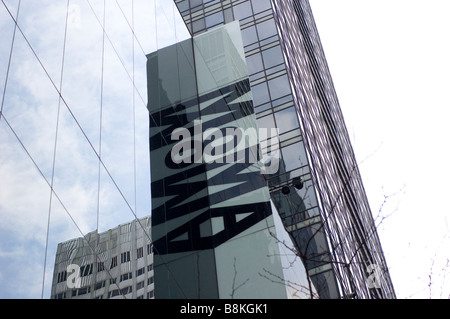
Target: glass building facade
[[317, 190], [213, 230], [116, 264]]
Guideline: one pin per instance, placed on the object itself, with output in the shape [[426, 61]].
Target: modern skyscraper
[[114, 264], [317, 190]]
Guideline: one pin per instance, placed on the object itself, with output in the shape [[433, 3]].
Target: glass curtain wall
[[212, 224]]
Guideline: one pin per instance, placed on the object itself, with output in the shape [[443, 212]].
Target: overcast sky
[[389, 63]]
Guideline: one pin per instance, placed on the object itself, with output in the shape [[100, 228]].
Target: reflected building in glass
[[255, 64], [115, 264]]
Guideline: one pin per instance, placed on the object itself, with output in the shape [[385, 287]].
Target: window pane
[[214, 19], [183, 5], [195, 3], [266, 29], [198, 25], [254, 63], [294, 156], [249, 36], [261, 5], [260, 94], [228, 13], [272, 57], [242, 11], [279, 87], [286, 120], [266, 122]]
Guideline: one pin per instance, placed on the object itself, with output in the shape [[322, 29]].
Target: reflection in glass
[[219, 58], [261, 5], [183, 5], [286, 119], [279, 87], [173, 77], [214, 19], [249, 35], [273, 56], [294, 156], [195, 3], [242, 11], [289, 135], [254, 63], [266, 122], [228, 14], [266, 29], [198, 25], [260, 94]]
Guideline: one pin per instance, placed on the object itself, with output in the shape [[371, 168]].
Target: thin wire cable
[[134, 107], [9, 61], [101, 113], [55, 148], [131, 26]]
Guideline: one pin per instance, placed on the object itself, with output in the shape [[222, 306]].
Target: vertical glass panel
[[266, 122], [243, 10], [279, 87], [266, 29], [286, 120], [293, 269], [308, 196], [272, 57], [183, 5], [260, 94], [249, 35], [294, 156], [198, 25], [171, 76], [228, 14], [214, 19], [254, 63], [261, 5], [219, 58], [251, 259]]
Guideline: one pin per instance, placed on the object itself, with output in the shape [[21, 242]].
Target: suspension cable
[[101, 112], [54, 149], [9, 60]]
